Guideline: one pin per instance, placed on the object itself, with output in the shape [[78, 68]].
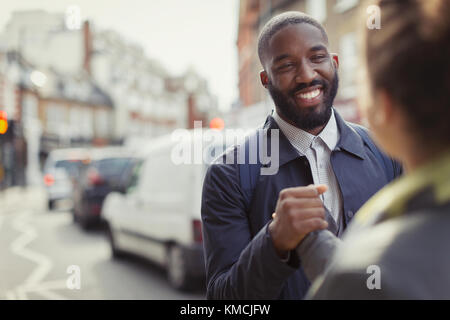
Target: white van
[[159, 217]]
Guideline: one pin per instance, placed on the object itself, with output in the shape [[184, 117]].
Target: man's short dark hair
[[279, 22]]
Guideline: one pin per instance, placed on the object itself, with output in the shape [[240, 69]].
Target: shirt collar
[[302, 140], [349, 140]]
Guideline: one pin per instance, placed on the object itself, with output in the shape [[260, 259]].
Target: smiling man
[[327, 169], [299, 72]]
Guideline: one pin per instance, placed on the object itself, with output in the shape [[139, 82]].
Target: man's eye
[[318, 57], [286, 65]]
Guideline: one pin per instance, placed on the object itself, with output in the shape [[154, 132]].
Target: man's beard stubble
[[307, 118]]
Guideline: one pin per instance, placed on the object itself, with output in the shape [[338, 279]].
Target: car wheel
[[176, 268], [85, 223], [115, 252], [84, 218], [74, 216], [51, 204]]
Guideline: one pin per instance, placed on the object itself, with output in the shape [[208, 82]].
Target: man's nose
[[305, 73]]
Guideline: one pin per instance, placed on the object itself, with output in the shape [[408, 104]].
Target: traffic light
[[3, 122], [217, 123]]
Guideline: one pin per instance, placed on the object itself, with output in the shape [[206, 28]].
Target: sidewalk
[[15, 198]]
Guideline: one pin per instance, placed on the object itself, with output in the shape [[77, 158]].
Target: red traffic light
[[3, 122], [217, 123]]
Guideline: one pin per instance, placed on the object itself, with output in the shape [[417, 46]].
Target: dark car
[[104, 174]]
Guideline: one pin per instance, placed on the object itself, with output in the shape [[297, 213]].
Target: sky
[[178, 33]]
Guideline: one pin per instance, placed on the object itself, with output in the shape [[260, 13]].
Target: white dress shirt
[[317, 150]]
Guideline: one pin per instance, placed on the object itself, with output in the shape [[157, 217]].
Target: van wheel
[[116, 253], [74, 217], [51, 204], [176, 268]]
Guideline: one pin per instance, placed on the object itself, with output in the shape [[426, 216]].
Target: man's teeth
[[310, 95]]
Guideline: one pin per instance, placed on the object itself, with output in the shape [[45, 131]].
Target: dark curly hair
[[409, 57]]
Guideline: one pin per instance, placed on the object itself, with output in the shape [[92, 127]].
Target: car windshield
[[70, 166], [111, 167]]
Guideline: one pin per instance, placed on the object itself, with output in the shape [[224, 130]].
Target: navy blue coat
[[241, 262]]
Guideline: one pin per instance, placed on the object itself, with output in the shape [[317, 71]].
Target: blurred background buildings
[[71, 85], [66, 83]]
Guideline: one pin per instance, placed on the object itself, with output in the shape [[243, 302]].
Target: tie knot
[[316, 142]]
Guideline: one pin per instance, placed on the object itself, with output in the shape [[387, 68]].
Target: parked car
[[158, 217], [107, 171], [61, 166]]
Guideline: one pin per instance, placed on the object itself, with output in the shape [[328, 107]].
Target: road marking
[[33, 283], [18, 247]]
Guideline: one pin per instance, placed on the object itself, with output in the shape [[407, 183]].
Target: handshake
[[298, 212]]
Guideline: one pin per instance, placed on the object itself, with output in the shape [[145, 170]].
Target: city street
[[40, 249]]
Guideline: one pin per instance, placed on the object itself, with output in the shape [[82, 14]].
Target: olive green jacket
[[397, 247]]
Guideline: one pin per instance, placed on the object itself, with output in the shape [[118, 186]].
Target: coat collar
[[349, 140]]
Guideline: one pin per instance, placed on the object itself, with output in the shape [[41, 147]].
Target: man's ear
[[264, 78], [335, 58]]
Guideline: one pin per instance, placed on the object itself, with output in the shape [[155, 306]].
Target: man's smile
[[310, 96]]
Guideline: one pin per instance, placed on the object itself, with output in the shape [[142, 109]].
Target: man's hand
[[299, 211]]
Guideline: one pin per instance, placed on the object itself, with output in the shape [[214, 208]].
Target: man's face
[[301, 75]]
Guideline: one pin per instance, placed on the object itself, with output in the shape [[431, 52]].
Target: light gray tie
[[332, 226]]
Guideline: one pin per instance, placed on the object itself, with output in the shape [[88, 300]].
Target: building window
[[75, 120], [344, 5], [317, 9], [87, 123], [102, 122], [56, 118]]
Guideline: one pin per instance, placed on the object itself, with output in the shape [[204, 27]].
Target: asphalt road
[[44, 255]]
